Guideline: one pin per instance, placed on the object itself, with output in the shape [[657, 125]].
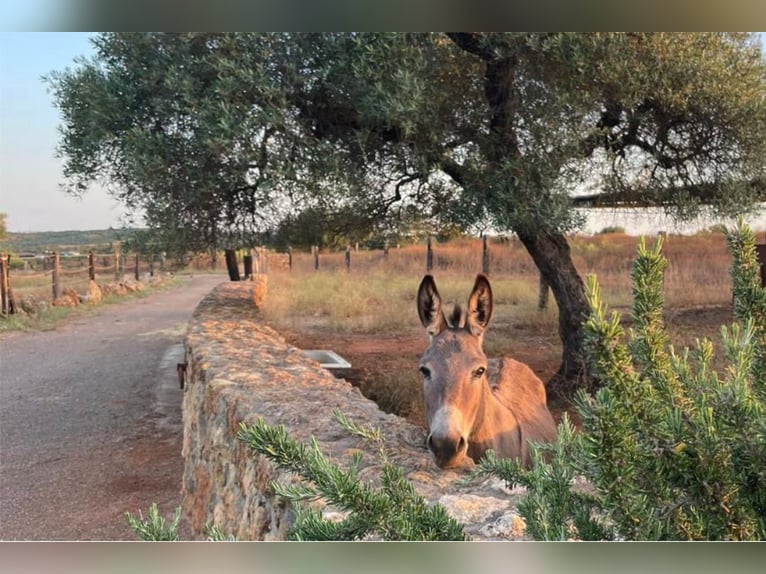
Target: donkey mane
[[456, 319]]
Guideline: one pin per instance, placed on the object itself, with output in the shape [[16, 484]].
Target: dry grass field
[[367, 314]]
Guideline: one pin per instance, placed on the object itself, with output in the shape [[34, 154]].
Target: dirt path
[[90, 422]]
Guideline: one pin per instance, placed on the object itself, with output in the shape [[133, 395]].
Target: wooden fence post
[[257, 263], [247, 260], [3, 285], [117, 261], [385, 250], [429, 256], [10, 302], [264, 260], [91, 266], [151, 265], [8, 287], [315, 250], [485, 255], [55, 284], [289, 258], [136, 273], [542, 296], [348, 257]]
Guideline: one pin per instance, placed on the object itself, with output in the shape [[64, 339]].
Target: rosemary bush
[[669, 449], [392, 512]]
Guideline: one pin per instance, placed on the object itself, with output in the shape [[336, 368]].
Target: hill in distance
[[40, 241]]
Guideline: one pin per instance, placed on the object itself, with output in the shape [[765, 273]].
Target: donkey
[[474, 404]]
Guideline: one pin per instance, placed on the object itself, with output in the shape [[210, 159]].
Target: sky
[[30, 173]]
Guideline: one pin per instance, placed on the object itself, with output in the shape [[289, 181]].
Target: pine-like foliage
[[394, 511], [750, 299], [669, 449], [154, 528]]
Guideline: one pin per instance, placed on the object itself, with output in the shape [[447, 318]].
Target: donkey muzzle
[[446, 439], [449, 451]]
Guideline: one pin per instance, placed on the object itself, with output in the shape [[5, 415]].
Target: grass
[[379, 301], [44, 321], [345, 302], [377, 296]]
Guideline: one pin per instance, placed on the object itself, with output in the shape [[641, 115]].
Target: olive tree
[[221, 133], [527, 127]]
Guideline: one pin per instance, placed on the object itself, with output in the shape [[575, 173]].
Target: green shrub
[[669, 448], [392, 512], [154, 528]]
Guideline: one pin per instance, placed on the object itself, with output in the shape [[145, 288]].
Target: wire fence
[[51, 275], [48, 277], [698, 265], [428, 256], [466, 256]]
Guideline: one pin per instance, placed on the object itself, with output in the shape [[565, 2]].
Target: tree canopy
[[219, 136], [216, 133]]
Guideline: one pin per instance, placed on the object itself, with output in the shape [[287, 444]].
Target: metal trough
[[327, 359]]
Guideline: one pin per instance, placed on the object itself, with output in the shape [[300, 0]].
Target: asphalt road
[[90, 418]]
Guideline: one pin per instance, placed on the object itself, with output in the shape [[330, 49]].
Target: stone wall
[[239, 369]]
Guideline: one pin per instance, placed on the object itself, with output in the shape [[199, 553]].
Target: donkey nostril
[[446, 446]]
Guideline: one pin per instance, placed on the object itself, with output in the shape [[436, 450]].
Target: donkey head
[[454, 369]]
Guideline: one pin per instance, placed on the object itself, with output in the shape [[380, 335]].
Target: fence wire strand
[[23, 276], [71, 272]]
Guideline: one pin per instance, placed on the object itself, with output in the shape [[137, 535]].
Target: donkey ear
[[479, 306], [430, 306]]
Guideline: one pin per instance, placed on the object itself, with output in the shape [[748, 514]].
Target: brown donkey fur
[[474, 404]]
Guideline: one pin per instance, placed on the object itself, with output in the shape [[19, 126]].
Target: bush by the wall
[[394, 511]]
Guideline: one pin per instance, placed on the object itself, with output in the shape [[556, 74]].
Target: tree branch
[[705, 193], [471, 42], [453, 169]]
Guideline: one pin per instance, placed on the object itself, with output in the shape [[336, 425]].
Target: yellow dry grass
[[377, 294]]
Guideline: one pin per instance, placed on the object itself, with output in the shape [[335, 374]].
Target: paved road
[[90, 423]]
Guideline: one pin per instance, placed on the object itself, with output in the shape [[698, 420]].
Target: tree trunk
[[551, 254], [231, 264]]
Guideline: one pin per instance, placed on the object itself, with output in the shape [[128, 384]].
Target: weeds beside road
[[52, 316]]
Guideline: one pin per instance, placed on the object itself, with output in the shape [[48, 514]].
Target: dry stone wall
[[239, 369]]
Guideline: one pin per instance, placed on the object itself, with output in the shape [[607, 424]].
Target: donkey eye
[[425, 372], [479, 372]]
